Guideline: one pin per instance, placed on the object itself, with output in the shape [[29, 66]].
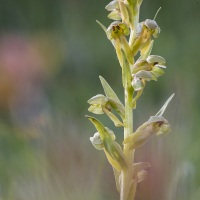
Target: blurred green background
[[51, 54]]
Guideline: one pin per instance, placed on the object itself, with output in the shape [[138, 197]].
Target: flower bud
[[137, 84], [96, 141], [156, 59], [97, 103], [151, 24]]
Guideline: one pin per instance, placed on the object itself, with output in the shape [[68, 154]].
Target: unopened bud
[[96, 141], [137, 84], [156, 59], [151, 24]]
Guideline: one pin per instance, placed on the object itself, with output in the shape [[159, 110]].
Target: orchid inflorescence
[[135, 75]]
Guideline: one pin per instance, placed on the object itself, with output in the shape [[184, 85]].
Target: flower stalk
[[135, 75]]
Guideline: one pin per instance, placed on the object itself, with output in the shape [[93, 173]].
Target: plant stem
[[126, 179]]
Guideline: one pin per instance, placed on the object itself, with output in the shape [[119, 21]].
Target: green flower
[[98, 103], [156, 125], [144, 32], [146, 70]]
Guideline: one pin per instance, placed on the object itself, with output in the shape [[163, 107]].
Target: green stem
[[126, 179]]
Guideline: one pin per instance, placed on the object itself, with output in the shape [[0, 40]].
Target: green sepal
[[114, 15], [126, 72], [157, 71], [96, 109]]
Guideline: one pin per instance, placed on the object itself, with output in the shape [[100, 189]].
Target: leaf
[[109, 91], [117, 178], [111, 148], [162, 110], [113, 162], [115, 154]]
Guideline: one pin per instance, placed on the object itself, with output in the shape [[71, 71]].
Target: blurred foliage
[[51, 54]]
